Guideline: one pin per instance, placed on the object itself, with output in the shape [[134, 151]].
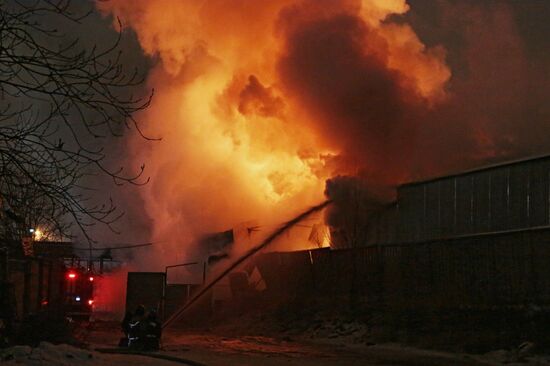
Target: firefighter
[[125, 325], [153, 331], [136, 328]]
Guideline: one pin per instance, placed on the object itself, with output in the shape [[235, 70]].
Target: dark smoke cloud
[[353, 205], [498, 107], [333, 67], [357, 101]]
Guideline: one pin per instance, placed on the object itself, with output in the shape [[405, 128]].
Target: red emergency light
[[71, 275], [91, 278], [90, 302]]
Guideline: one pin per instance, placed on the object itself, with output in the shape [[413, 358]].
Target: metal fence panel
[[499, 199], [540, 257], [518, 196], [464, 204], [433, 211], [419, 212], [145, 288], [482, 202], [388, 225], [497, 270], [447, 194], [322, 269], [538, 193], [403, 203], [411, 208]]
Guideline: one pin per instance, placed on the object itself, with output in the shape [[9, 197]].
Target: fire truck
[[79, 293]]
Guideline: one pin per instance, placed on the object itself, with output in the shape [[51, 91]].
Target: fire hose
[[243, 258]]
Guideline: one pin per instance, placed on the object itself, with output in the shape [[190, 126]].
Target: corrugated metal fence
[[505, 269]]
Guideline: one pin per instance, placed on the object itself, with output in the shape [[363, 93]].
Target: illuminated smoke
[[259, 103], [497, 107]]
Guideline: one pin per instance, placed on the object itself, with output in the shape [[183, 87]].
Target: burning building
[[346, 97], [476, 239], [254, 121]]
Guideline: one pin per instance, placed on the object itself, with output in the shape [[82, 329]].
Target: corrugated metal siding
[[502, 198], [420, 217], [538, 193], [482, 202], [464, 204], [519, 191], [499, 200], [433, 214], [448, 207], [405, 203]]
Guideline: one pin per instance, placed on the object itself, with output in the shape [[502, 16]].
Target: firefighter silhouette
[[142, 330]]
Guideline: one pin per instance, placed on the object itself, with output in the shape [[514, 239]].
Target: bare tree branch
[[59, 102]]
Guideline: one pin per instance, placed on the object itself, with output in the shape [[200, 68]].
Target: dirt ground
[[216, 348]]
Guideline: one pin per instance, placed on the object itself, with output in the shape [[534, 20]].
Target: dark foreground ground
[[223, 347]]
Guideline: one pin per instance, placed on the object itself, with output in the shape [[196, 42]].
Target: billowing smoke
[[354, 205], [497, 106], [364, 82], [259, 103]]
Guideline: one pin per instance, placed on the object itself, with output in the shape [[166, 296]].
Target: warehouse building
[[496, 199], [475, 240]]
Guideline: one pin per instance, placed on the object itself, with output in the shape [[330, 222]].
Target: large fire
[[259, 102]]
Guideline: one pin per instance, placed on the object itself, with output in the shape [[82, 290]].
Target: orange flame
[[237, 145]]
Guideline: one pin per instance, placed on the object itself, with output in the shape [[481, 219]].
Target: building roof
[[53, 249], [478, 170]]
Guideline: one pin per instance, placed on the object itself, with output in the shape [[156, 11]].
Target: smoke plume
[[259, 103]]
